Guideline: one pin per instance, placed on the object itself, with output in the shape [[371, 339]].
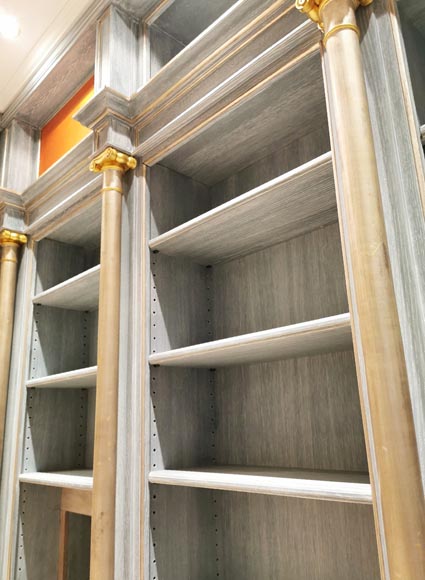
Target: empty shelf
[[423, 133], [306, 338], [290, 205], [79, 379], [75, 479], [331, 486], [78, 293]]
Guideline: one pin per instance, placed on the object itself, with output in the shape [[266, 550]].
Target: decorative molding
[[112, 159], [8, 237]]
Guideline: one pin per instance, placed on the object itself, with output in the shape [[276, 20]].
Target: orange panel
[[62, 133]]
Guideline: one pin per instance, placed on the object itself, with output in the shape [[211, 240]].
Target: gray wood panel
[[186, 19], [301, 413], [182, 418], [294, 539], [79, 547], [55, 432], [174, 199], [182, 536], [38, 537], [285, 207], [295, 281], [57, 262], [60, 341], [163, 47]]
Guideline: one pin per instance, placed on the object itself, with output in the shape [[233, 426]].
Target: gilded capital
[[8, 237], [313, 8], [110, 158]]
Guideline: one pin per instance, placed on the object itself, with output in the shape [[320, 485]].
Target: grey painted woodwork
[[402, 185], [78, 379], [248, 104], [329, 486], [116, 43], [74, 479], [38, 538], [184, 20], [12, 213], [238, 535], [324, 335], [79, 531], [285, 207], [414, 42], [163, 48], [78, 293], [18, 141]]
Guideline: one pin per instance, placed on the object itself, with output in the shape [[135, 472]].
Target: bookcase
[[61, 398], [246, 442]]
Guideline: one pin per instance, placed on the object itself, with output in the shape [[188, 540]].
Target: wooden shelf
[[78, 293], [79, 379], [74, 479], [290, 205], [330, 486], [306, 338]]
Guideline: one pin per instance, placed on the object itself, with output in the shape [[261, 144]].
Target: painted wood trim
[[290, 205], [330, 486], [305, 338], [78, 379], [78, 293], [72, 479]]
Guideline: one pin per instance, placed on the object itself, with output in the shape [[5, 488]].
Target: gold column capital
[[8, 237], [110, 158], [313, 8]]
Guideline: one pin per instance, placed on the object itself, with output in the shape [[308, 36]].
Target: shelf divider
[[78, 293], [330, 486], [78, 379], [290, 205], [305, 338], [72, 479]]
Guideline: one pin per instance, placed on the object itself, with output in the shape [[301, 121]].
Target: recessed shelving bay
[[324, 335], [331, 486], [290, 205]]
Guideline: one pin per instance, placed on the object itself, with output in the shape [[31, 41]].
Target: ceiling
[[42, 24]]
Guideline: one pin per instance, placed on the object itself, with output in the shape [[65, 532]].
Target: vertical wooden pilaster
[[9, 244], [384, 390], [113, 164]]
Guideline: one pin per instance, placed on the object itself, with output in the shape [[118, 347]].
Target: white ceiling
[[42, 24]]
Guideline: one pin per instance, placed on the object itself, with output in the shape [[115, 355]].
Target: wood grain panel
[[301, 413], [295, 281]]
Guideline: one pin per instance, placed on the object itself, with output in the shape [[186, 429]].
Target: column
[[381, 368], [113, 165], [9, 245]]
